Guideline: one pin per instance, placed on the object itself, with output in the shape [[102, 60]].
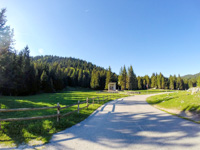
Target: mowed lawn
[[18, 132], [179, 100]]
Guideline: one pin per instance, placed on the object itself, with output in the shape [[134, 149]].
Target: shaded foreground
[[129, 123]]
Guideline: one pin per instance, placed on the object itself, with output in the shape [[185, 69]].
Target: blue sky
[[152, 35]]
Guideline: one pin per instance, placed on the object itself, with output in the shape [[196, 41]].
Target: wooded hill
[[190, 76], [21, 74]]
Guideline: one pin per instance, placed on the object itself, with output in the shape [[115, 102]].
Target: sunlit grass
[[24, 131], [151, 91], [181, 100]]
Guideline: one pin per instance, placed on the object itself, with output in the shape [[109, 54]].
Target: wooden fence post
[[58, 112], [87, 102], [78, 106], [93, 101]]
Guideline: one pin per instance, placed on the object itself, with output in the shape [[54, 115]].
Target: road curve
[[127, 124]]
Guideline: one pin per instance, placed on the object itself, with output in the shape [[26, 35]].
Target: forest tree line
[[129, 81], [21, 74]]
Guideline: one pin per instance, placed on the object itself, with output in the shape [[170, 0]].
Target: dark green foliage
[[140, 83], [180, 83], [131, 79], [189, 76], [95, 80], [198, 81], [109, 77], [153, 81], [123, 78], [146, 82], [22, 75]]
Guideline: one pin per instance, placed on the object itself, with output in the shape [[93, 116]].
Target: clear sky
[[152, 35]]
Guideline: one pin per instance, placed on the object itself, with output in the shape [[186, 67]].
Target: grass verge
[[179, 103], [18, 132]]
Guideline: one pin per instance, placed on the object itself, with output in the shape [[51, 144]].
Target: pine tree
[[95, 78], [163, 83], [180, 83], [131, 79], [171, 84], [185, 81], [153, 81], [198, 81], [109, 77], [45, 82], [175, 82], [120, 77], [147, 83], [80, 77], [159, 80], [123, 78], [140, 85], [6, 56]]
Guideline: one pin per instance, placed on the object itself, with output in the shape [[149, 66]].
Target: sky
[[151, 35]]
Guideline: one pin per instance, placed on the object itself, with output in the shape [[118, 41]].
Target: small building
[[112, 86]]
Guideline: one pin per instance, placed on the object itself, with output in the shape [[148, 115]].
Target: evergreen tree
[[163, 83], [153, 81], [45, 83], [180, 83], [80, 77], [159, 80], [130, 79], [123, 78], [175, 82], [186, 86], [95, 78], [198, 82], [140, 85], [147, 81], [6, 56], [109, 77], [171, 84], [120, 77]]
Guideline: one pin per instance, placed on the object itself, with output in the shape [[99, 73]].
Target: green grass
[[151, 91], [181, 100], [24, 131]]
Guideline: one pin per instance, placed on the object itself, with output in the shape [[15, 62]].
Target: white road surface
[[129, 124]]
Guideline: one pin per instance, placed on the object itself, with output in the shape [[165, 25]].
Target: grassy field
[[15, 133], [181, 101], [151, 91]]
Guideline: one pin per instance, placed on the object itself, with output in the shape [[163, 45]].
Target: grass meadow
[[179, 101], [18, 132], [151, 91]]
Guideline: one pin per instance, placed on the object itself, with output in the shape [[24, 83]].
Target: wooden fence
[[58, 115]]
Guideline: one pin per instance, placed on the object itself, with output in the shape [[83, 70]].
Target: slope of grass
[[182, 101], [24, 131]]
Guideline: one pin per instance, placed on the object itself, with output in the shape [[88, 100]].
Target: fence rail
[[58, 115]]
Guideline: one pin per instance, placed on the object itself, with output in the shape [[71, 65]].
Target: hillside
[[190, 76], [67, 62]]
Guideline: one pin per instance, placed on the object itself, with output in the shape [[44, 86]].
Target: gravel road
[[127, 124]]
